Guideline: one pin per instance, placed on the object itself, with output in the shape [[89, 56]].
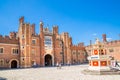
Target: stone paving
[[52, 73]]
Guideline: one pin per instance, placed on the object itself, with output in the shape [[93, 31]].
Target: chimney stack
[[33, 29], [104, 38], [55, 29], [21, 20], [41, 26]]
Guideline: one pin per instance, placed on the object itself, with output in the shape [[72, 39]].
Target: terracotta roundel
[[95, 52], [95, 63], [103, 63]]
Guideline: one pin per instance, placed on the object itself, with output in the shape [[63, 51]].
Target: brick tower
[[29, 44], [104, 38], [25, 41]]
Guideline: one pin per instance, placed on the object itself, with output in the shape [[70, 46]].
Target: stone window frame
[[1, 52], [48, 46], [33, 41], [15, 51]]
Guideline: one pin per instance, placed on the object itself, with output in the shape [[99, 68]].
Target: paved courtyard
[[52, 73]]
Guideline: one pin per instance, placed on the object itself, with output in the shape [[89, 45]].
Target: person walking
[[60, 66], [57, 65]]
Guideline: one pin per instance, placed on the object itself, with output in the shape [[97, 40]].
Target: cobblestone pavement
[[52, 73]]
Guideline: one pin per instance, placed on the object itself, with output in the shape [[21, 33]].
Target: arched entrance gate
[[14, 64], [48, 60]]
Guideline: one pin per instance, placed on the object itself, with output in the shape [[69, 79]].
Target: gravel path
[[52, 73]]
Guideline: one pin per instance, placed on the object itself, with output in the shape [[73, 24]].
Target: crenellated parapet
[[36, 35], [77, 47], [112, 43], [8, 40], [12, 35]]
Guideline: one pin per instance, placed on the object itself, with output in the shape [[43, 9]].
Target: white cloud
[[94, 34], [109, 39]]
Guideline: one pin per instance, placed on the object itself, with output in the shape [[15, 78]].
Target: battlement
[[12, 35], [77, 47], [35, 35], [8, 40], [115, 42], [47, 30]]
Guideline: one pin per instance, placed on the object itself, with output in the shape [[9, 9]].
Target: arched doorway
[[14, 64], [48, 60]]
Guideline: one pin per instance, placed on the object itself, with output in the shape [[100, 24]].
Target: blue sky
[[85, 20]]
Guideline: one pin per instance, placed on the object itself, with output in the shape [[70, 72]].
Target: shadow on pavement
[[1, 78]]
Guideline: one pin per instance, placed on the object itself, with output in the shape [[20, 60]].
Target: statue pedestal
[[99, 63], [99, 68]]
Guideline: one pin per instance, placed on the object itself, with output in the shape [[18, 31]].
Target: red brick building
[[25, 48]]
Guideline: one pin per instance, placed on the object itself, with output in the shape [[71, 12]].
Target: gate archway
[[48, 60], [14, 64]]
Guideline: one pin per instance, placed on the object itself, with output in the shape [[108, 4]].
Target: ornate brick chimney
[[41, 26], [104, 38], [21, 20], [33, 29]]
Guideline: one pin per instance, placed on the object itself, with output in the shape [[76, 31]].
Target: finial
[[97, 41]]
